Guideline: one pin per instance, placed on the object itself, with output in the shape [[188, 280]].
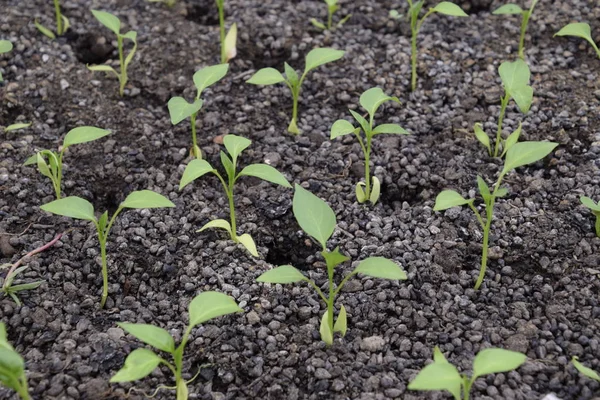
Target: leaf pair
[[594, 208], [484, 139], [332, 7], [12, 366], [581, 30], [515, 9], [5, 47], [7, 287]]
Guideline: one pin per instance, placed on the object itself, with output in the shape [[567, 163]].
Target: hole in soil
[[391, 193], [263, 56], [203, 12], [90, 48], [108, 193]]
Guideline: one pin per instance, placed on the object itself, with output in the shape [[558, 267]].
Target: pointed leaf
[[217, 223], [524, 153], [484, 189], [511, 140], [282, 274], [83, 134], [266, 76], [341, 323], [508, 9], [448, 199], [11, 362], [375, 190], [180, 109], [291, 74], [15, 127], [448, 8], [102, 68], [334, 258], [390, 128], [491, 361], [31, 160], [267, 173], [208, 76], [227, 164], [341, 127], [314, 216], [320, 56], [325, 330], [380, 267], [589, 203], [235, 145], [438, 356], [43, 166], [373, 98], [73, 207], [482, 137], [108, 20], [361, 121], [579, 29], [194, 170], [318, 24], [438, 376], [153, 335], [138, 364], [230, 44], [146, 199], [361, 196], [25, 286], [523, 97], [590, 373], [45, 31], [501, 192], [209, 305], [131, 35], [515, 78], [247, 241]]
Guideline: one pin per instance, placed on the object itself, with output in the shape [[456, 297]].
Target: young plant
[[317, 219], [441, 375], [229, 40], [518, 155], [12, 367], [50, 163], [370, 100], [78, 208], [270, 76], [595, 209], [114, 24], [590, 373], [141, 362], [234, 145], [515, 80], [581, 30], [180, 109], [332, 7], [515, 9], [414, 8], [62, 23], [5, 47]]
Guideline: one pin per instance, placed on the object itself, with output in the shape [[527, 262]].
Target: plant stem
[[104, 273], [598, 225], [486, 239], [524, 23], [195, 147], [504, 104], [232, 214], [220, 6], [413, 81], [59, 21], [331, 298], [23, 389], [293, 127], [368, 169], [123, 76], [329, 18]]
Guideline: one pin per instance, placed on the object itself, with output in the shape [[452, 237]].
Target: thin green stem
[[598, 225], [467, 383], [195, 148], [59, 168], [23, 390], [413, 57], [524, 23], [59, 21], [221, 6], [232, 214], [104, 273], [293, 127], [331, 298], [317, 289], [329, 18], [123, 75], [477, 215], [342, 283], [368, 168], [504, 103]]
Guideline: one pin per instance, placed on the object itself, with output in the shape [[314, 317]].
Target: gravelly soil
[[541, 291]]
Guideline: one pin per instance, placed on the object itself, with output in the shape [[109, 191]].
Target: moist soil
[[540, 295]]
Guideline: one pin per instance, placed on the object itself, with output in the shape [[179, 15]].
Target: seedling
[[5, 47], [270, 76], [15, 127], [12, 367], [229, 40], [370, 100], [168, 3], [519, 154], [62, 23], [317, 219], [234, 145], [180, 109], [594, 208], [441, 375], [515, 80], [78, 208], [414, 8], [515, 9], [590, 373], [141, 362], [332, 7], [50, 163], [114, 24], [581, 30]]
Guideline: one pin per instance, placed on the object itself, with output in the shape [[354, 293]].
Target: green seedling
[[515, 9], [114, 24], [180, 109], [581, 30], [590, 373], [414, 9], [515, 80], [5, 47], [441, 375], [12, 367], [50, 164], [78, 208], [270, 76], [332, 7], [168, 3], [317, 219], [16, 127], [518, 155], [370, 100], [595, 209], [141, 362], [229, 39], [235, 145], [62, 23]]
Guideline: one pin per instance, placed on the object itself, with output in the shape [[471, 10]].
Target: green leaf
[[341, 323], [590, 373], [45, 31], [482, 137], [380, 267], [491, 361], [194, 170], [25, 286], [108, 20], [66, 24], [282, 274], [579, 29], [341, 127], [314, 216], [209, 305], [11, 362], [438, 356], [208, 76], [318, 24], [146, 199], [217, 223], [373, 98], [364, 124], [508, 9], [515, 78], [484, 189], [180, 109], [102, 68], [227, 164], [375, 190], [524, 153], [150, 334], [448, 199], [230, 43], [589, 203], [291, 74], [138, 364], [361, 196], [334, 258], [523, 97], [31, 160], [4, 336], [5, 46], [448, 8], [501, 192], [317, 57], [15, 127], [390, 128], [235, 145], [438, 376], [73, 207], [43, 166], [83, 134], [247, 241], [266, 173], [182, 390], [131, 35], [325, 330], [511, 140], [266, 76]]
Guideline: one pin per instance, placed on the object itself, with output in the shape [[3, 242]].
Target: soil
[[540, 295]]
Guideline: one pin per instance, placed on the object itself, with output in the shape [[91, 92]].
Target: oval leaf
[[375, 190], [491, 361], [266, 76], [579, 29], [508, 9], [511, 140], [217, 223], [448, 8], [341, 323], [194, 170], [73, 207], [380, 267], [248, 243], [146, 199], [482, 137], [267, 173], [209, 305], [282, 274], [102, 68], [390, 128], [314, 216], [438, 376], [230, 44], [341, 127], [320, 56], [449, 198], [235, 145], [208, 76], [138, 364], [15, 127], [84, 134], [180, 109], [325, 330], [359, 190], [373, 98], [45, 31], [150, 334], [108, 20], [526, 153], [5, 46], [11, 362], [589, 203]]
